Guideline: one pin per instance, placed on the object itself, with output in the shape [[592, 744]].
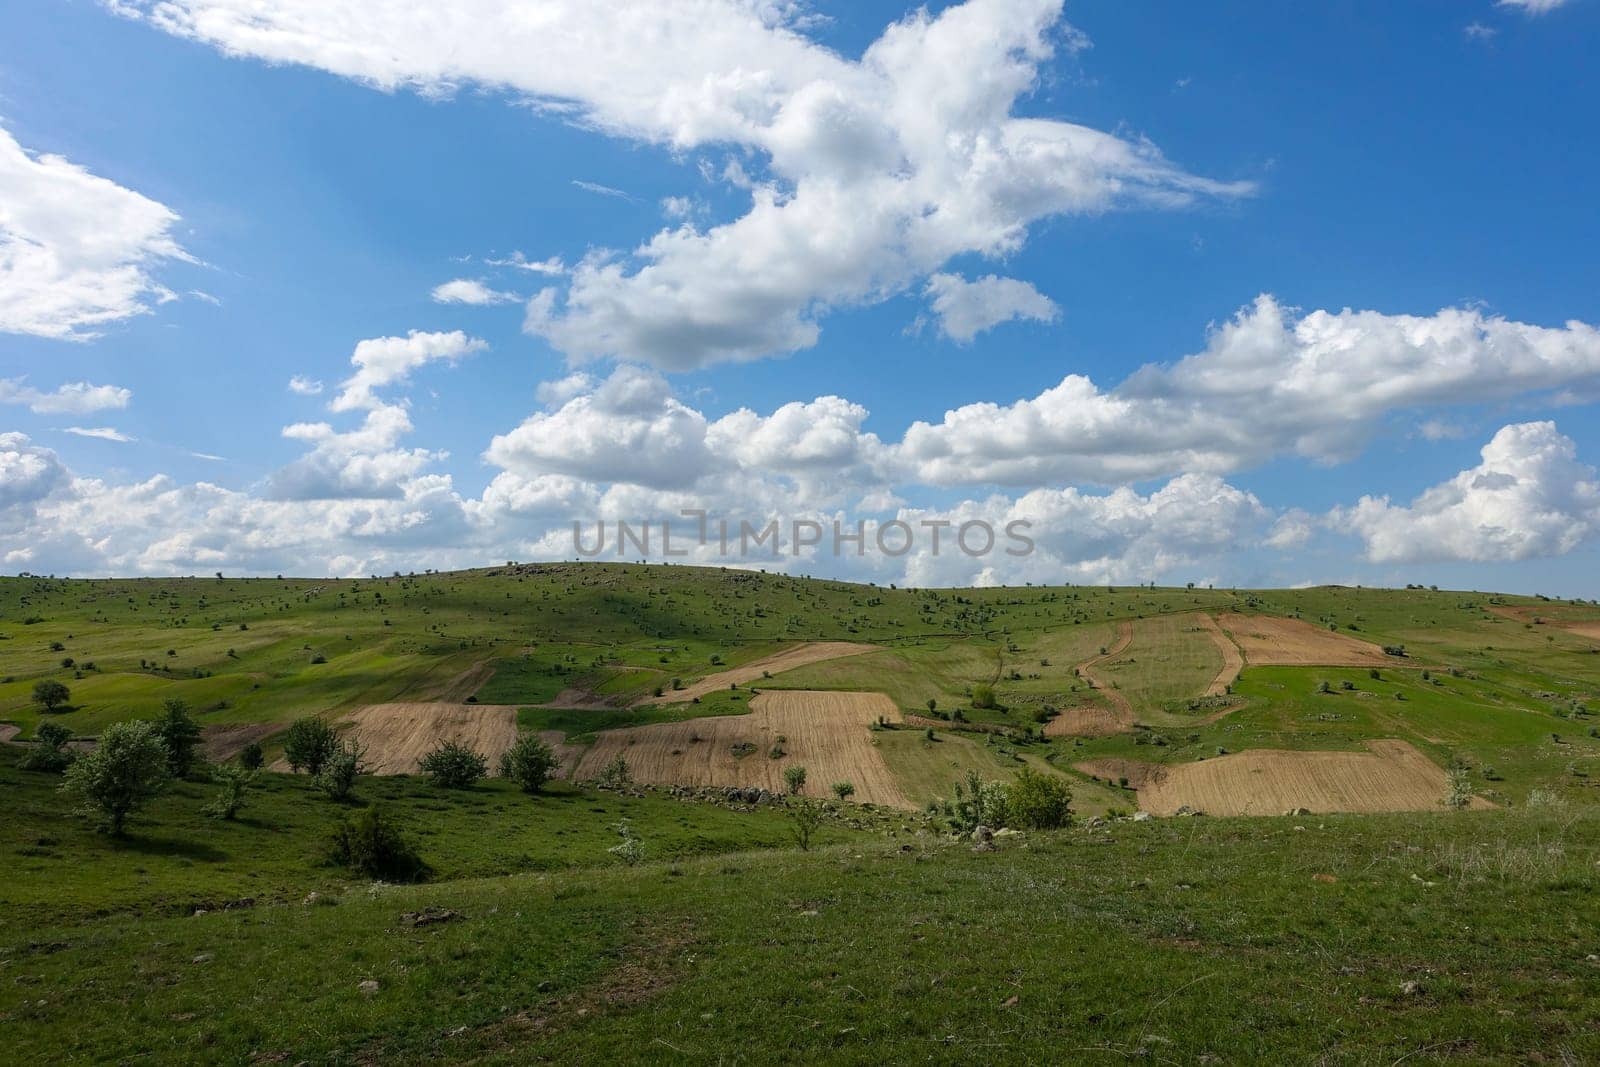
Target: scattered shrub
[[127, 768], [530, 763], [454, 766], [308, 744], [369, 843], [251, 758], [337, 776], [982, 696], [843, 790], [616, 775], [233, 780], [51, 694], [181, 734], [1036, 801], [49, 752], [804, 818], [794, 779]]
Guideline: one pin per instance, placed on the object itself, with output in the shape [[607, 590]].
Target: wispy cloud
[[304, 386], [74, 398], [100, 433], [604, 190]]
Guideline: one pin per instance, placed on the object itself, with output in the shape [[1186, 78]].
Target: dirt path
[[1090, 720], [8, 732], [826, 733], [787, 660], [1232, 658], [1391, 775]]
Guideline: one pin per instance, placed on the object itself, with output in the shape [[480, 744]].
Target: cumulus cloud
[[966, 309], [304, 386], [1529, 497], [27, 472], [865, 176], [1270, 382], [76, 250], [471, 291], [385, 361], [73, 398]]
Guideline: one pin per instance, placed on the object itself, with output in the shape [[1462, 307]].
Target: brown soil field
[[1138, 773], [787, 660], [219, 743], [826, 733], [567, 754], [1268, 641], [1232, 658], [396, 736], [1391, 776], [1591, 630], [1091, 720]]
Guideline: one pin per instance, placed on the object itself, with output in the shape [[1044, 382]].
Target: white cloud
[[1529, 497], [364, 463], [471, 291], [1269, 383], [304, 386], [603, 190], [551, 266], [965, 309], [73, 398], [27, 473], [384, 361], [1477, 31], [865, 176], [76, 250], [1532, 7], [102, 433], [558, 392]]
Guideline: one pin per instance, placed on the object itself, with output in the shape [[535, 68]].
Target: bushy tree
[[978, 803], [308, 743], [369, 843], [127, 768], [616, 774], [1036, 801], [337, 777], [454, 765], [49, 751], [233, 779], [843, 790], [181, 734], [804, 818], [983, 696], [794, 778], [251, 758], [530, 763], [51, 694]]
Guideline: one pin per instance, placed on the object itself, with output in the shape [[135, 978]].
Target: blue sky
[[1392, 159]]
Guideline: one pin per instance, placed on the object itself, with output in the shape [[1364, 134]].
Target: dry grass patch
[[826, 733], [1391, 776], [1269, 641], [1232, 658], [787, 660]]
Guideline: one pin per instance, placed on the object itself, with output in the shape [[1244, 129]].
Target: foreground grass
[[1353, 940]]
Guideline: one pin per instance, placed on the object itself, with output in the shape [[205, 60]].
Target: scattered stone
[[1326, 879], [1010, 1002], [1410, 988], [369, 987], [1298, 811], [430, 917], [205, 957], [1141, 816], [982, 839]]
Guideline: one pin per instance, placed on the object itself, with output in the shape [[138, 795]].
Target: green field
[[1435, 936]]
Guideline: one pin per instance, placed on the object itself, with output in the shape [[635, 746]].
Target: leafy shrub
[[616, 775], [804, 818], [630, 849], [234, 780], [530, 763], [251, 758], [1036, 801], [794, 779], [454, 766], [51, 694], [369, 843], [843, 790], [337, 777], [49, 752], [982, 696], [181, 734], [308, 743], [127, 767]]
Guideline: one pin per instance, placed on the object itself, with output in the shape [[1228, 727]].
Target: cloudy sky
[[1244, 293]]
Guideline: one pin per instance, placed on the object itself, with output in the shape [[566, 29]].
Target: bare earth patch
[[7, 732], [1232, 658], [223, 742], [1268, 641], [396, 736], [787, 660], [826, 733], [1391, 776]]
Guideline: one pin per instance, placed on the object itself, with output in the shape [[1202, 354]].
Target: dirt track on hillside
[[787, 660], [1391, 776], [826, 733], [1232, 658], [1092, 720], [1267, 641]]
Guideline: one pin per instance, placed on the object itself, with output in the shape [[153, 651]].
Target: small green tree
[[453, 765], [308, 743], [51, 694], [49, 752], [127, 768], [616, 775], [983, 696], [233, 780], [181, 734], [371, 844], [933, 704], [804, 818], [843, 790], [251, 758], [1036, 801], [530, 763], [794, 779], [337, 775], [1458, 790]]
